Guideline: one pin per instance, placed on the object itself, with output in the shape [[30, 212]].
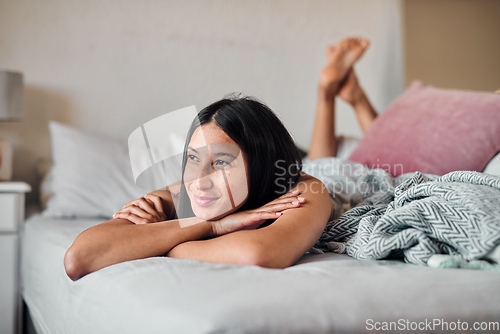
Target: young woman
[[243, 198]]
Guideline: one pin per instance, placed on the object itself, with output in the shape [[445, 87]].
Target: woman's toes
[[363, 42], [329, 50]]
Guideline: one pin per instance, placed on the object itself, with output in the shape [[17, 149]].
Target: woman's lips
[[203, 200]]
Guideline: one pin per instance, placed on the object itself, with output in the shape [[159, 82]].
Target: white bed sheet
[[320, 294]]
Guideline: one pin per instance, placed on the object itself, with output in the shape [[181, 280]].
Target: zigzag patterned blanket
[[456, 214]]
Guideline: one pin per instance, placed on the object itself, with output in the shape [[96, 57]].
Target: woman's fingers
[[242, 220], [280, 200], [141, 203], [282, 206], [268, 214], [132, 217], [253, 218], [148, 207], [148, 201], [259, 217], [156, 201], [139, 212], [134, 202], [286, 197], [290, 193], [145, 204]]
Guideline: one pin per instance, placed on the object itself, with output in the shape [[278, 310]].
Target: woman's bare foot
[[350, 91], [340, 59]]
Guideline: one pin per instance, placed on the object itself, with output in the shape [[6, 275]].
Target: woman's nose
[[203, 182]]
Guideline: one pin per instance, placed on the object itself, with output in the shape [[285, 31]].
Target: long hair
[[273, 160]]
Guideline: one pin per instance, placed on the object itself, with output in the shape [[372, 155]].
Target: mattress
[[320, 294]]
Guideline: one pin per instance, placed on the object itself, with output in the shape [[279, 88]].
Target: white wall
[[109, 66]]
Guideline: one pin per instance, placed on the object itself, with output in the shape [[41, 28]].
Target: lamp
[[11, 109]]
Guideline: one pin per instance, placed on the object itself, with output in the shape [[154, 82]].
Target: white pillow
[[493, 167], [90, 176]]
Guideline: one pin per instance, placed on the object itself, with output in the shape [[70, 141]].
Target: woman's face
[[215, 176]]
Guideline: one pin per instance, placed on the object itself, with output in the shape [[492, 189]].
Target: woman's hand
[[251, 219], [145, 210]]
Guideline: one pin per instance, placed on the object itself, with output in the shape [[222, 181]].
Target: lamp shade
[[11, 96]]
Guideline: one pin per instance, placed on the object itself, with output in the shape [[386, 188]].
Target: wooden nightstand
[[11, 220]]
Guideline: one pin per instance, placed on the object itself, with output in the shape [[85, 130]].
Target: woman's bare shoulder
[[315, 192]]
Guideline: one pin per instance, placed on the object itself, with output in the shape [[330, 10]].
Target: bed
[[321, 293], [328, 293]]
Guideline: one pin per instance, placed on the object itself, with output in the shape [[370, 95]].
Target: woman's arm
[[278, 245], [119, 240], [135, 235]]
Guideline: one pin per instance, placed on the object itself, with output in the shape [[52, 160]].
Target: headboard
[[108, 68]]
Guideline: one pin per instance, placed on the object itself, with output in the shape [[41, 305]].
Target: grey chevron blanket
[[416, 217]]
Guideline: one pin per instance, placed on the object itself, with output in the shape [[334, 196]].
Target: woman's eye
[[221, 163], [193, 157]]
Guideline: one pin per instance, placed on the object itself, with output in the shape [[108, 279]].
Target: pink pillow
[[434, 131]]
